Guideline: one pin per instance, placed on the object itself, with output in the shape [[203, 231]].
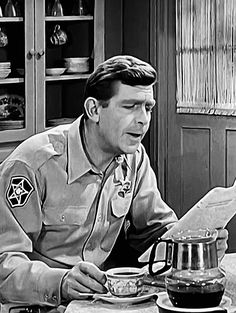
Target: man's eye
[[129, 106]]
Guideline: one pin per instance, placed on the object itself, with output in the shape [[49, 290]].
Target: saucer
[[146, 294], [164, 304]]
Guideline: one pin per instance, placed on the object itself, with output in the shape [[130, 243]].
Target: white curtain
[[206, 56]]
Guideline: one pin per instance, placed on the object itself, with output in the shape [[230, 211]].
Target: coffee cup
[[125, 281]]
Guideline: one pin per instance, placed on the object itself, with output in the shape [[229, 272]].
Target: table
[[229, 264], [83, 306], [102, 307]]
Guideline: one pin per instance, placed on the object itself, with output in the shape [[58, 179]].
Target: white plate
[[163, 302], [5, 64], [55, 71], [147, 293]]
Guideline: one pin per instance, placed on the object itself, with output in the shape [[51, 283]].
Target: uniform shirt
[[57, 209]]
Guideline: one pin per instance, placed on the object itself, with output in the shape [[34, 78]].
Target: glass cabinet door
[[16, 70], [69, 43]]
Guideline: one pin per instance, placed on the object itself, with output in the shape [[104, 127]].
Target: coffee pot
[[195, 279]]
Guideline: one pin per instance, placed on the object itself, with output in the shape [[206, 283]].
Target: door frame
[[159, 21]]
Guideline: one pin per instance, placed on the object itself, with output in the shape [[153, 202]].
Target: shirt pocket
[[71, 215], [119, 208]]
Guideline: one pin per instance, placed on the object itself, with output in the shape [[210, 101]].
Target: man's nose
[[143, 117]]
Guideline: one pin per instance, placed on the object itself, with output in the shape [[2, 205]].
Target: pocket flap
[[71, 215], [120, 206]]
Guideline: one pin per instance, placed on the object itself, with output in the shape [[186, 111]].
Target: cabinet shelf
[[11, 19], [67, 77], [69, 18], [11, 80]]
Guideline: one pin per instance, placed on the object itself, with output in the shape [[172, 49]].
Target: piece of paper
[[214, 210]]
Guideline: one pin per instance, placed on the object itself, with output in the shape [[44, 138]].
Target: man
[[68, 194]]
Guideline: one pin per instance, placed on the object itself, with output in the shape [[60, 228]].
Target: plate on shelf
[[20, 71], [146, 294], [11, 124], [5, 65], [54, 71], [12, 107]]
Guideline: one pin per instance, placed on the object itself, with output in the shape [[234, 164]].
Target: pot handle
[[167, 260]]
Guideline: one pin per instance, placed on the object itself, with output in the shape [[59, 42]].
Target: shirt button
[[90, 246], [59, 147]]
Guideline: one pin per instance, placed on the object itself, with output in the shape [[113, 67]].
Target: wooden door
[[199, 151]]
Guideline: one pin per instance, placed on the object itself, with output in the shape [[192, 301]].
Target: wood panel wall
[[189, 153], [131, 28]]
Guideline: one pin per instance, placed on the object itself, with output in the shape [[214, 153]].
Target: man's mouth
[[136, 135]]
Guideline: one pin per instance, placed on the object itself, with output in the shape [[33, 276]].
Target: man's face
[[123, 124]]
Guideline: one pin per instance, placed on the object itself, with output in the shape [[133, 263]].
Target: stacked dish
[[12, 111], [20, 71], [77, 65], [5, 69], [55, 71]]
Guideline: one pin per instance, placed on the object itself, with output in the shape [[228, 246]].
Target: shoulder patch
[[19, 191]]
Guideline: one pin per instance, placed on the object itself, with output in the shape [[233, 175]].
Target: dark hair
[[124, 68]]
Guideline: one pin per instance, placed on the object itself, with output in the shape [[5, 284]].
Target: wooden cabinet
[[44, 100]]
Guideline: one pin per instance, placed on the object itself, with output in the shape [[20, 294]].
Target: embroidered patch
[[19, 190]]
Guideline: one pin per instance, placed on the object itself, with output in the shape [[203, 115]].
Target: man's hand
[[84, 277], [221, 242]]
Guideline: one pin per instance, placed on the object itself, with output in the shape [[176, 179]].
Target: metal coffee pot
[[195, 279]]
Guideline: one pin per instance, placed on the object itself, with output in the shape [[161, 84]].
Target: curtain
[[206, 56]]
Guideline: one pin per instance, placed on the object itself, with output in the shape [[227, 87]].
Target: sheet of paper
[[214, 210]]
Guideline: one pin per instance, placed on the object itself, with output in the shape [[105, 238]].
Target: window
[[206, 56]]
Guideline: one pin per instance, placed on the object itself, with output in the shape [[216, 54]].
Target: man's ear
[[91, 106]]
